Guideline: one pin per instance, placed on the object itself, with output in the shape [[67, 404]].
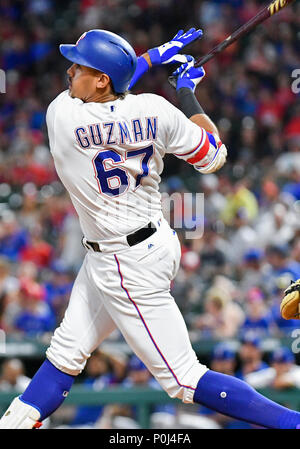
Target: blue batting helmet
[[104, 51]]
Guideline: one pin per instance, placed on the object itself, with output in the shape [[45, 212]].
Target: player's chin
[[71, 89], [73, 93]]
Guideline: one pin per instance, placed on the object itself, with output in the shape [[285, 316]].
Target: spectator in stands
[[9, 286], [214, 200], [293, 187], [58, 288], [35, 316], [72, 250], [99, 375], [258, 318], [276, 225], [188, 286], [13, 376], [295, 253], [139, 376], [223, 359], [222, 316], [282, 374], [13, 239], [251, 270], [241, 199], [243, 238], [279, 264], [251, 356], [37, 249], [213, 256]]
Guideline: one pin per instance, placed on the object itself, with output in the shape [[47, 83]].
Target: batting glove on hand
[[164, 54], [189, 76]]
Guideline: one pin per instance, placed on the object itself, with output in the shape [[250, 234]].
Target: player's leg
[[137, 297], [235, 398], [85, 325], [153, 326], [160, 339], [155, 330]]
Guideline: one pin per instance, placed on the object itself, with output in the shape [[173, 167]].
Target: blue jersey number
[[113, 180]]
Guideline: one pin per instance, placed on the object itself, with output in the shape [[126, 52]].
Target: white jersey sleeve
[[109, 156], [188, 141]]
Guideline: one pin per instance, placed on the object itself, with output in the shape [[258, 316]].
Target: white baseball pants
[[130, 289]]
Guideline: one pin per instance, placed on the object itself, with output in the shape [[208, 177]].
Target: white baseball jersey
[[109, 156]]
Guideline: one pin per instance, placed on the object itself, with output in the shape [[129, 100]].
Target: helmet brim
[[70, 52]]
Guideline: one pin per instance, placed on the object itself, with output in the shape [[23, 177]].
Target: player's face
[[84, 82]]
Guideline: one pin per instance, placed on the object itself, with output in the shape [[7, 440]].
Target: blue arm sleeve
[[141, 68]]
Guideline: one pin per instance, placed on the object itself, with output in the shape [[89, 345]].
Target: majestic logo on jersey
[[81, 37]]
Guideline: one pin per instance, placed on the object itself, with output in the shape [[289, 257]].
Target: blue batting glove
[[189, 76], [164, 54]]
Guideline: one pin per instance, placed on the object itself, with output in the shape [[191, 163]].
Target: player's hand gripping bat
[[268, 11]]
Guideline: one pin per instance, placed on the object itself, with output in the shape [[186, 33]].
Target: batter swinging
[[108, 148]]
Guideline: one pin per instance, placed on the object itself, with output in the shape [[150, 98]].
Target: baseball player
[[108, 148]]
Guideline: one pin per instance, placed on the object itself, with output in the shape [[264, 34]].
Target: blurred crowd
[[230, 281], [108, 370]]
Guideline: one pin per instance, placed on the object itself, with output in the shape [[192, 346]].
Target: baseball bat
[[273, 8]]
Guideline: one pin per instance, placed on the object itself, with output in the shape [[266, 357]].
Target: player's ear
[[103, 81]]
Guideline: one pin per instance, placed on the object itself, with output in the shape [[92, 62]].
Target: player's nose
[[70, 70]]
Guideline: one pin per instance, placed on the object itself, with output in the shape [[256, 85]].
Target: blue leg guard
[[233, 397], [48, 389]]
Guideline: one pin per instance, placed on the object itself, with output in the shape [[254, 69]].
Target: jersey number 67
[[112, 179]]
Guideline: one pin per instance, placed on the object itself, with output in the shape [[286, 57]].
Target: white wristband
[[217, 161]]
